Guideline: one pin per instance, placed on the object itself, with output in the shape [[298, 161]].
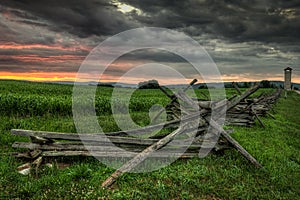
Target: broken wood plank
[[35, 153], [40, 140], [116, 154], [94, 139], [78, 137], [36, 164], [59, 146]]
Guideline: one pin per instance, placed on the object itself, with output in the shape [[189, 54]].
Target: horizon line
[[70, 81]]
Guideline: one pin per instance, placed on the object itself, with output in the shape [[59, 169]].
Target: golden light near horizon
[[71, 76]]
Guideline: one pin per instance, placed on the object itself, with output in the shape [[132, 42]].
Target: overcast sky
[[247, 39]]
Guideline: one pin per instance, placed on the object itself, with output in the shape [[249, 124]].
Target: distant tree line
[[263, 84], [267, 84], [151, 84], [105, 85], [202, 86], [294, 87], [240, 85]]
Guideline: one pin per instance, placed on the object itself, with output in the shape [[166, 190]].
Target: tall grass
[[40, 99]]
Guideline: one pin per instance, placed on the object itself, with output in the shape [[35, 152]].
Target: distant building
[[288, 78]]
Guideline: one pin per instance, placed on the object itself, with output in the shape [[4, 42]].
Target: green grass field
[[48, 107]]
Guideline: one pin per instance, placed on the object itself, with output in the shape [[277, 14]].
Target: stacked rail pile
[[50, 144], [247, 111], [243, 114]]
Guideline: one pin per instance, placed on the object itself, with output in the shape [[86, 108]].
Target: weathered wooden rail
[[56, 142], [191, 115]]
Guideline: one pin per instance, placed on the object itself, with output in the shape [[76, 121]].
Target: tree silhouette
[[151, 84]]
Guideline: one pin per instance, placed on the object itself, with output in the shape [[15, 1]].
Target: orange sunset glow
[[31, 59], [71, 76], [39, 76], [15, 46]]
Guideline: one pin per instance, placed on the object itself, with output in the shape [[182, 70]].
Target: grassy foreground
[[227, 176]]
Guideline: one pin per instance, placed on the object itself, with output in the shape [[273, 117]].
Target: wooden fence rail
[[183, 141]]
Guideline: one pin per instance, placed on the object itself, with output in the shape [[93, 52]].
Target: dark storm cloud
[[237, 20], [82, 18], [152, 55]]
